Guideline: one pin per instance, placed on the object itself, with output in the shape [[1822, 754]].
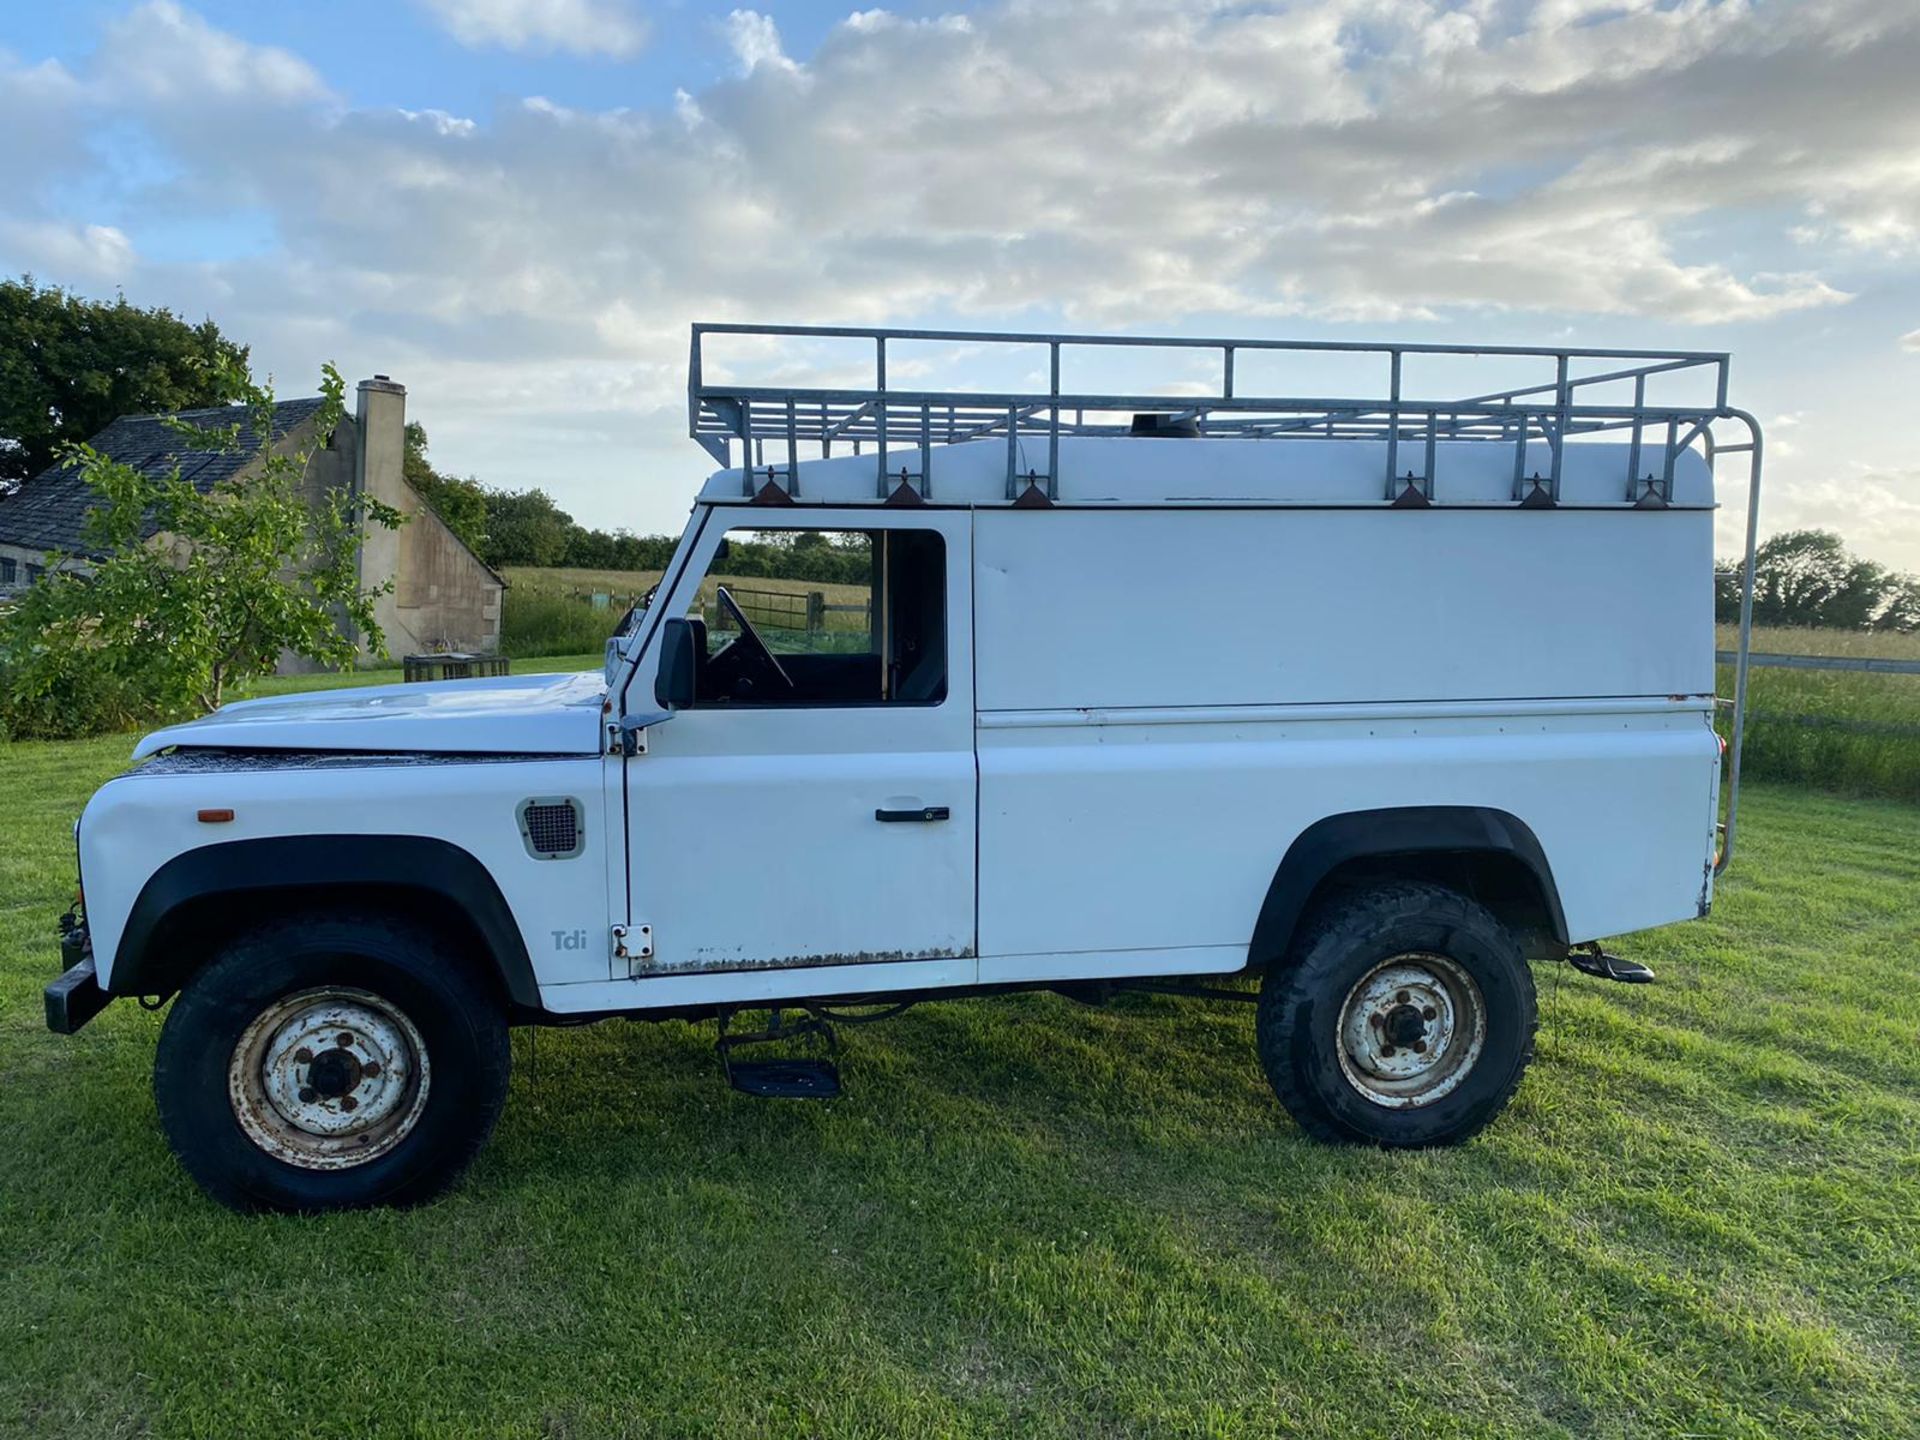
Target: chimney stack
[[380, 470]]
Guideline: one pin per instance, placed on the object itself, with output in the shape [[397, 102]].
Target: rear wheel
[[330, 1063], [1403, 1015]]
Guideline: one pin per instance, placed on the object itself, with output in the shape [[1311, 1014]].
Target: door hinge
[[633, 944]]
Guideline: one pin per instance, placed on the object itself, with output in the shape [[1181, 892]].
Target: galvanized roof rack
[[1553, 410], [784, 417]]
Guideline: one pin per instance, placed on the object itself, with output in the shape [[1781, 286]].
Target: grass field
[[553, 577], [1852, 733], [1806, 640], [1701, 1215], [546, 611]]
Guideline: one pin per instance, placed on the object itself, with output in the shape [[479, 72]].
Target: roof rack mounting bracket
[[1537, 494], [771, 491], [1650, 493], [1415, 493]]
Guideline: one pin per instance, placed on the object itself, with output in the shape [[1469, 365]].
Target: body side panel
[[1262, 607], [1127, 837], [137, 823]]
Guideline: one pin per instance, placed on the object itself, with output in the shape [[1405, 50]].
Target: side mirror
[[673, 682]]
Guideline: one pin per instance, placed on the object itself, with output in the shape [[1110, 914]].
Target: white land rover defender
[[1372, 698]]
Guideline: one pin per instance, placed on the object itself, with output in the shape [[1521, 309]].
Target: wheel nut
[[1386, 1052], [306, 1096], [1402, 997], [1375, 1021], [1430, 1013], [1419, 1047], [347, 1102], [343, 1040], [371, 1069], [303, 1055]]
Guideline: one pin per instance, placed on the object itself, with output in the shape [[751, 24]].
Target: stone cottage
[[444, 597]]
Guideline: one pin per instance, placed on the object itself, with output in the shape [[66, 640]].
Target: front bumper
[[76, 997]]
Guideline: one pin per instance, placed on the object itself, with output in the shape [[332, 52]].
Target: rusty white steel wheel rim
[[1411, 1030], [328, 1079]]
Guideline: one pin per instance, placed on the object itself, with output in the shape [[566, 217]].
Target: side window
[[9, 571], [822, 617]]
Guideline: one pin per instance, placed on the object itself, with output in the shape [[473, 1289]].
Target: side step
[[1592, 960], [786, 1077]]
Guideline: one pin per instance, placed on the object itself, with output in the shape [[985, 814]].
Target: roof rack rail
[[890, 419]]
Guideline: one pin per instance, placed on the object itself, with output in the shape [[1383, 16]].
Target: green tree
[[1902, 608], [192, 591], [1807, 577], [69, 366], [642, 552], [461, 502], [588, 549], [525, 527]]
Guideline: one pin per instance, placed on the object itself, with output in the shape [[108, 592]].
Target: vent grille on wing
[[552, 828]]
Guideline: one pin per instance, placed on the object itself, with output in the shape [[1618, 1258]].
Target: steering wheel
[[752, 639]]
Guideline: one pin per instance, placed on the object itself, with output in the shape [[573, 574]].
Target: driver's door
[[818, 810]]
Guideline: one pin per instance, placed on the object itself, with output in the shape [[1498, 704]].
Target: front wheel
[[329, 1063], [1403, 1015]]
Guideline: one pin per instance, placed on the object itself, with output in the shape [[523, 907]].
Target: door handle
[[920, 816]]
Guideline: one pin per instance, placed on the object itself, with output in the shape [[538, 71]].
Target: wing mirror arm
[[630, 734]]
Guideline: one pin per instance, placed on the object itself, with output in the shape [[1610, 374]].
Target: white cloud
[[575, 27], [441, 122], [1538, 169], [1877, 511], [755, 41], [95, 254], [41, 101], [163, 54], [1910, 340]]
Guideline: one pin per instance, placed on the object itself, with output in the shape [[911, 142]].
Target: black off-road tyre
[[376, 988], [1352, 946]]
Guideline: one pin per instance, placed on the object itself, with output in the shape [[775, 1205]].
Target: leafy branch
[[177, 592]]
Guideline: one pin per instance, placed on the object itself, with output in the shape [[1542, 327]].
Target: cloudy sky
[[516, 206]]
